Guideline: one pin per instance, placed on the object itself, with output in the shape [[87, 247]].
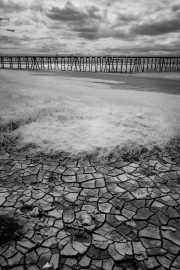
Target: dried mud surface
[[85, 214]]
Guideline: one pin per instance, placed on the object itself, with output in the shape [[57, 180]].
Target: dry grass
[[77, 117]]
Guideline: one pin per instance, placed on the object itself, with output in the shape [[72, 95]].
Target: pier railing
[[113, 64]]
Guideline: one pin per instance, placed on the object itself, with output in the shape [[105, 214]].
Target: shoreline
[[164, 82]]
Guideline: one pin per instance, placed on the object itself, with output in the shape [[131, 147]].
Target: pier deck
[[112, 64]]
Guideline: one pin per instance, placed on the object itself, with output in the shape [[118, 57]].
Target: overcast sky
[[90, 26]]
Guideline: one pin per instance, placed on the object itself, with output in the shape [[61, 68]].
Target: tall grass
[[79, 117]]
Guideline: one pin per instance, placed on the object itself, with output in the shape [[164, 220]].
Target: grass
[[52, 115]]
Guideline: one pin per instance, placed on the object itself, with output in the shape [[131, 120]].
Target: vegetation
[[52, 115]]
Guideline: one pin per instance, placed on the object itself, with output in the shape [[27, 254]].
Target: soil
[[11, 227], [128, 265]]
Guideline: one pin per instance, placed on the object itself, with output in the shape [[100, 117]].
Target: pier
[[111, 64]]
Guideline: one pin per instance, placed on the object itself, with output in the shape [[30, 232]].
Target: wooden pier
[[112, 64]]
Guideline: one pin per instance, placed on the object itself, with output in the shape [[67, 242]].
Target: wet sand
[[166, 82]]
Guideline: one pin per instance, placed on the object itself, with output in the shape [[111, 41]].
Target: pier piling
[[110, 64]]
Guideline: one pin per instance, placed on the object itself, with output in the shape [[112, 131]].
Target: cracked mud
[[59, 214]]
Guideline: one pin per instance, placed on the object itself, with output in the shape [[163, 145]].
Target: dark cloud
[[4, 39], [10, 30], [89, 35], [116, 33], [66, 15], [157, 28], [10, 6], [46, 47], [127, 17], [86, 28], [176, 8], [122, 35], [12, 39], [85, 23], [95, 32], [3, 21], [124, 17], [93, 13], [71, 14], [90, 31], [144, 50]]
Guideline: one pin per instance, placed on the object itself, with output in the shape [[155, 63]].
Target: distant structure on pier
[[112, 64]]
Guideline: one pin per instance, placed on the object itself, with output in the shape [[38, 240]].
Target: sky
[[93, 27]]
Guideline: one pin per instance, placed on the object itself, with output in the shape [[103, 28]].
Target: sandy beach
[[167, 82]]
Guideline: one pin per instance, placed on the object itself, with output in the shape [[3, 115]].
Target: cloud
[[67, 14], [20, 22], [10, 6], [91, 26], [86, 28], [4, 39], [150, 49], [117, 34], [125, 17], [87, 31], [89, 35], [84, 22], [3, 21], [156, 28], [176, 8], [70, 13]]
